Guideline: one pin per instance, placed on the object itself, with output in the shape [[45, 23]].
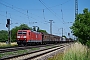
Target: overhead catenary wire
[[6, 14], [50, 10], [11, 18], [63, 18], [61, 8], [43, 15], [54, 12], [17, 10], [62, 13], [31, 17], [64, 23], [11, 7], [26, 14], [20, 9], [60, 4]]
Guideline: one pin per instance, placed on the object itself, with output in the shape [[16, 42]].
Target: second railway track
[[35, 54], [21, 48]]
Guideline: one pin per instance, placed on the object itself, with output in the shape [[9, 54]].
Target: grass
[[7, 54], [34, 48], [57, 57], [22, 51], [76, 52], [2, 44], [49, 46]]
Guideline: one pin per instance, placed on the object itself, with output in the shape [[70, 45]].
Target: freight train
[[28, 37]]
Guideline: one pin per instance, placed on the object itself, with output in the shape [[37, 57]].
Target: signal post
[[8, 26]]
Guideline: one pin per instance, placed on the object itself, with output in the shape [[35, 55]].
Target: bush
[[88, 43]]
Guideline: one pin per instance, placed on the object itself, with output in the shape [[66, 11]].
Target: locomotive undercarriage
[[21, 42]]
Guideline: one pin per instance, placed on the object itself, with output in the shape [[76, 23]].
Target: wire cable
[[43, 15], [49, 9], [17, 11]]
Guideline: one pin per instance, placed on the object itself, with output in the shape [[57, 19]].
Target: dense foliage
[[43, 31], [16, 28], [4, 33], [81, 27]]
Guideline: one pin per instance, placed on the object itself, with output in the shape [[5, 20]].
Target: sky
[[62, 12]]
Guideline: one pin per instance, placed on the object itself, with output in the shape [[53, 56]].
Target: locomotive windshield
[[22, 32]]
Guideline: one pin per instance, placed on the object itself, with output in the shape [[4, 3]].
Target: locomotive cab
[[22, 37]]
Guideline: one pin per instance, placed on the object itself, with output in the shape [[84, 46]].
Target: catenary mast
[[76, 8]]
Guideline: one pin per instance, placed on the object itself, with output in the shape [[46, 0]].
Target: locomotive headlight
[[18, 36], [24, 36]]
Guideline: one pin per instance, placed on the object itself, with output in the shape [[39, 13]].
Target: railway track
[[36, 54], [21, 48]]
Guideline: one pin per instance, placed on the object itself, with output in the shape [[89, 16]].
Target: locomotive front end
[[21, 37]]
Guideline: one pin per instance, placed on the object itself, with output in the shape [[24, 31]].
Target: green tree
[[24, 26], [43, 31], [16, 28], [3, 36], [14, 33], [81, 26]]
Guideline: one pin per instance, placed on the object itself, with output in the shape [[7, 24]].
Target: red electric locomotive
[[25, 37]]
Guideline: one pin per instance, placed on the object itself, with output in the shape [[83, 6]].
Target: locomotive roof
[[36, 32], [31, 31], [50, 34]]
